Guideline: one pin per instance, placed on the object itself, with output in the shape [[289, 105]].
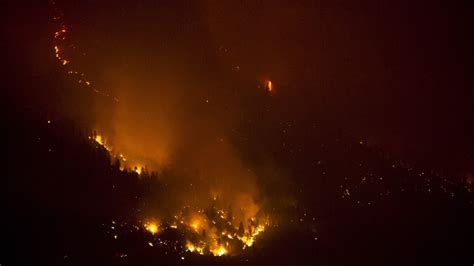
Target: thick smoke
[[178, 112]]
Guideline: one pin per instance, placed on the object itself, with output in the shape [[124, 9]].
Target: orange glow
[[98, 139], [135, 167], [222, 228], [151, 227], [195, 225], [219, 251], [192, 248], [138, 169], [235, 218], [269, 86], [62, 50]]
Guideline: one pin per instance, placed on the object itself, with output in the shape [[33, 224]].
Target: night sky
[[182, 87], [397, 74]]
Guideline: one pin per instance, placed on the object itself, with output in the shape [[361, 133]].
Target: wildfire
[[137, 168], [98, 139], [269, 85], [249, 239], [101, 141], [218, 236], [192, 248], [151, 227], [64, 51], [213, 231], [219, 251]]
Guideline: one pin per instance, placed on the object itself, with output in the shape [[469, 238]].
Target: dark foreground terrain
[[62, 196]]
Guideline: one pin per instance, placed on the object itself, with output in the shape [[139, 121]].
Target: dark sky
[[394, 73]]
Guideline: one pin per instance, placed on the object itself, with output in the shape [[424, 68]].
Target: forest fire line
[[211, 231], [124, 163], [212, 227], [212, 236], [269, 85], [151, 227], [64, 50]]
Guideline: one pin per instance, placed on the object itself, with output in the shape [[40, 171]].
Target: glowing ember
[[220, 251], [192, 248], [98, 139], [205, 236], [195, 225], [64, 50], [101, 141], [269, 86], [138, 169], [151, 227]]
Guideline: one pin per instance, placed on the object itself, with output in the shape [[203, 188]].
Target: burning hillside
[[215, 226], [217, 211], [237, 132]]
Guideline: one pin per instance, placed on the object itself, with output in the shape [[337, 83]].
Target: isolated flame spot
[[151, 227], [269, 85]]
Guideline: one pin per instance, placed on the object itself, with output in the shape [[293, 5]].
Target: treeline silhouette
[[61, 187]]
